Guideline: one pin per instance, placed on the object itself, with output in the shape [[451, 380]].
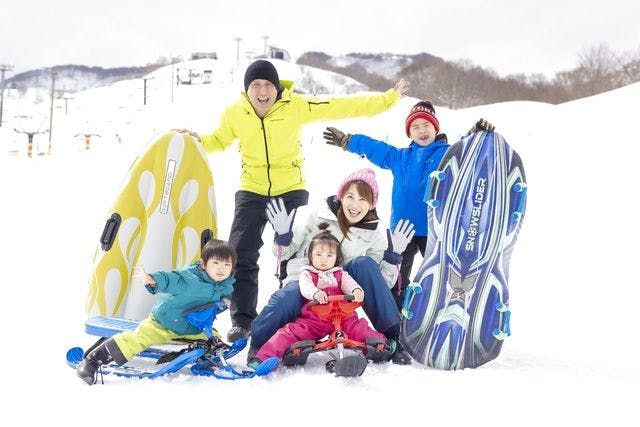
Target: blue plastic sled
[[456, 315]]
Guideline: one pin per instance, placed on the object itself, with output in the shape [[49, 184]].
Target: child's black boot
[[104, 354], [400, 355]]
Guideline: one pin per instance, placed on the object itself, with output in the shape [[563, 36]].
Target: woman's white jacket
[[364, 239]]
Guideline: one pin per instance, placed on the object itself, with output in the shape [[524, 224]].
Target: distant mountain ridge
[[373, 70], [74, 78], [376, 70], [454, 84], [462, 84]]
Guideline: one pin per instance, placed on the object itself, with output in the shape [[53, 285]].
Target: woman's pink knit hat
[[367, 176]]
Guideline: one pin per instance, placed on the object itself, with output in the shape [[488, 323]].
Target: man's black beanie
[[264, 70]]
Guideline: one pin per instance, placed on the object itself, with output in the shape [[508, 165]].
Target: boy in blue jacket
[[205, 281], [411, 167]]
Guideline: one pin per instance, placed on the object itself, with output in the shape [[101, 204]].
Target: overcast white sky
[[508, 36]]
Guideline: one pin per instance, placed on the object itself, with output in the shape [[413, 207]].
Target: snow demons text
[[476, 211]]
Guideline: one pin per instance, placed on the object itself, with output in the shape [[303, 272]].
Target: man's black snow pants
[[248, 224]]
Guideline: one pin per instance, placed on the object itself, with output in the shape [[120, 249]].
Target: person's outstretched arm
[[313, 109]]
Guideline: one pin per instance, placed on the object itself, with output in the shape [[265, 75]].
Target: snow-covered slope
[[137, 108], [569, 361]]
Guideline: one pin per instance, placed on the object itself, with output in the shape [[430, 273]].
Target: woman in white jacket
[[370, 257]]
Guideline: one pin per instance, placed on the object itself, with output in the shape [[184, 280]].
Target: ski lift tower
[[3, 68]]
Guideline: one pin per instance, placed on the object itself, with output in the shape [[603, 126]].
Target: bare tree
[[308, 84], [596, 70], [629, 65], [461, 84], [422, 82]]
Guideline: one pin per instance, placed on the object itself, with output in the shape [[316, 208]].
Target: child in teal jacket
[[208, 280]]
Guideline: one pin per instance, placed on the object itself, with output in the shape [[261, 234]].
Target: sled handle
[[520, 187], [412, 289], [433, 176], [498, 333], [110, 231]]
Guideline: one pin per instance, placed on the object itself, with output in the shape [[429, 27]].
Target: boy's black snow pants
[[418, 243]]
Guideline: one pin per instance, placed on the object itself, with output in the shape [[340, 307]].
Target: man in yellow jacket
[[267, 122]]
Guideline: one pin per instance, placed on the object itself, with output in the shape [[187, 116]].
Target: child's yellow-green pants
[[148, 333]]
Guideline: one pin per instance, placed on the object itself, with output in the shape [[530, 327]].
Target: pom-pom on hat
[[422, 110], [367, 176], [263, 70]]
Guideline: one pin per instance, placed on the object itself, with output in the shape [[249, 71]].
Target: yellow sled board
[[163, 213]]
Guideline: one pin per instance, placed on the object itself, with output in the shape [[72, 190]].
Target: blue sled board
[[456, 313], [201, 364]]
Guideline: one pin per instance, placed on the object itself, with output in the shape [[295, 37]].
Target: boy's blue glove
[[398, 241], [281, 222]]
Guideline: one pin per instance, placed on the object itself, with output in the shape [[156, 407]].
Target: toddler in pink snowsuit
[[323, 278]]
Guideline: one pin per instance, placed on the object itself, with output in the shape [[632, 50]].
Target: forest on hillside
[[462, 84]]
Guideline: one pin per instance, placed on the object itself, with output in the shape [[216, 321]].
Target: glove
[[280, 221], [482, 124], [398, 241], [335, 137]]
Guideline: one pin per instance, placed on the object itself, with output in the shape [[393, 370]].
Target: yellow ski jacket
[[271, 148]]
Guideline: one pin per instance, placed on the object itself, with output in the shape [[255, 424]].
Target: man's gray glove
[[336, 137], [398, 241], [281, 222]]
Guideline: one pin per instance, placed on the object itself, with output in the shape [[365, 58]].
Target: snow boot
[[254, 363], [103, 354], [251, 353], [236, 333], [380, 349], [400, 355]]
